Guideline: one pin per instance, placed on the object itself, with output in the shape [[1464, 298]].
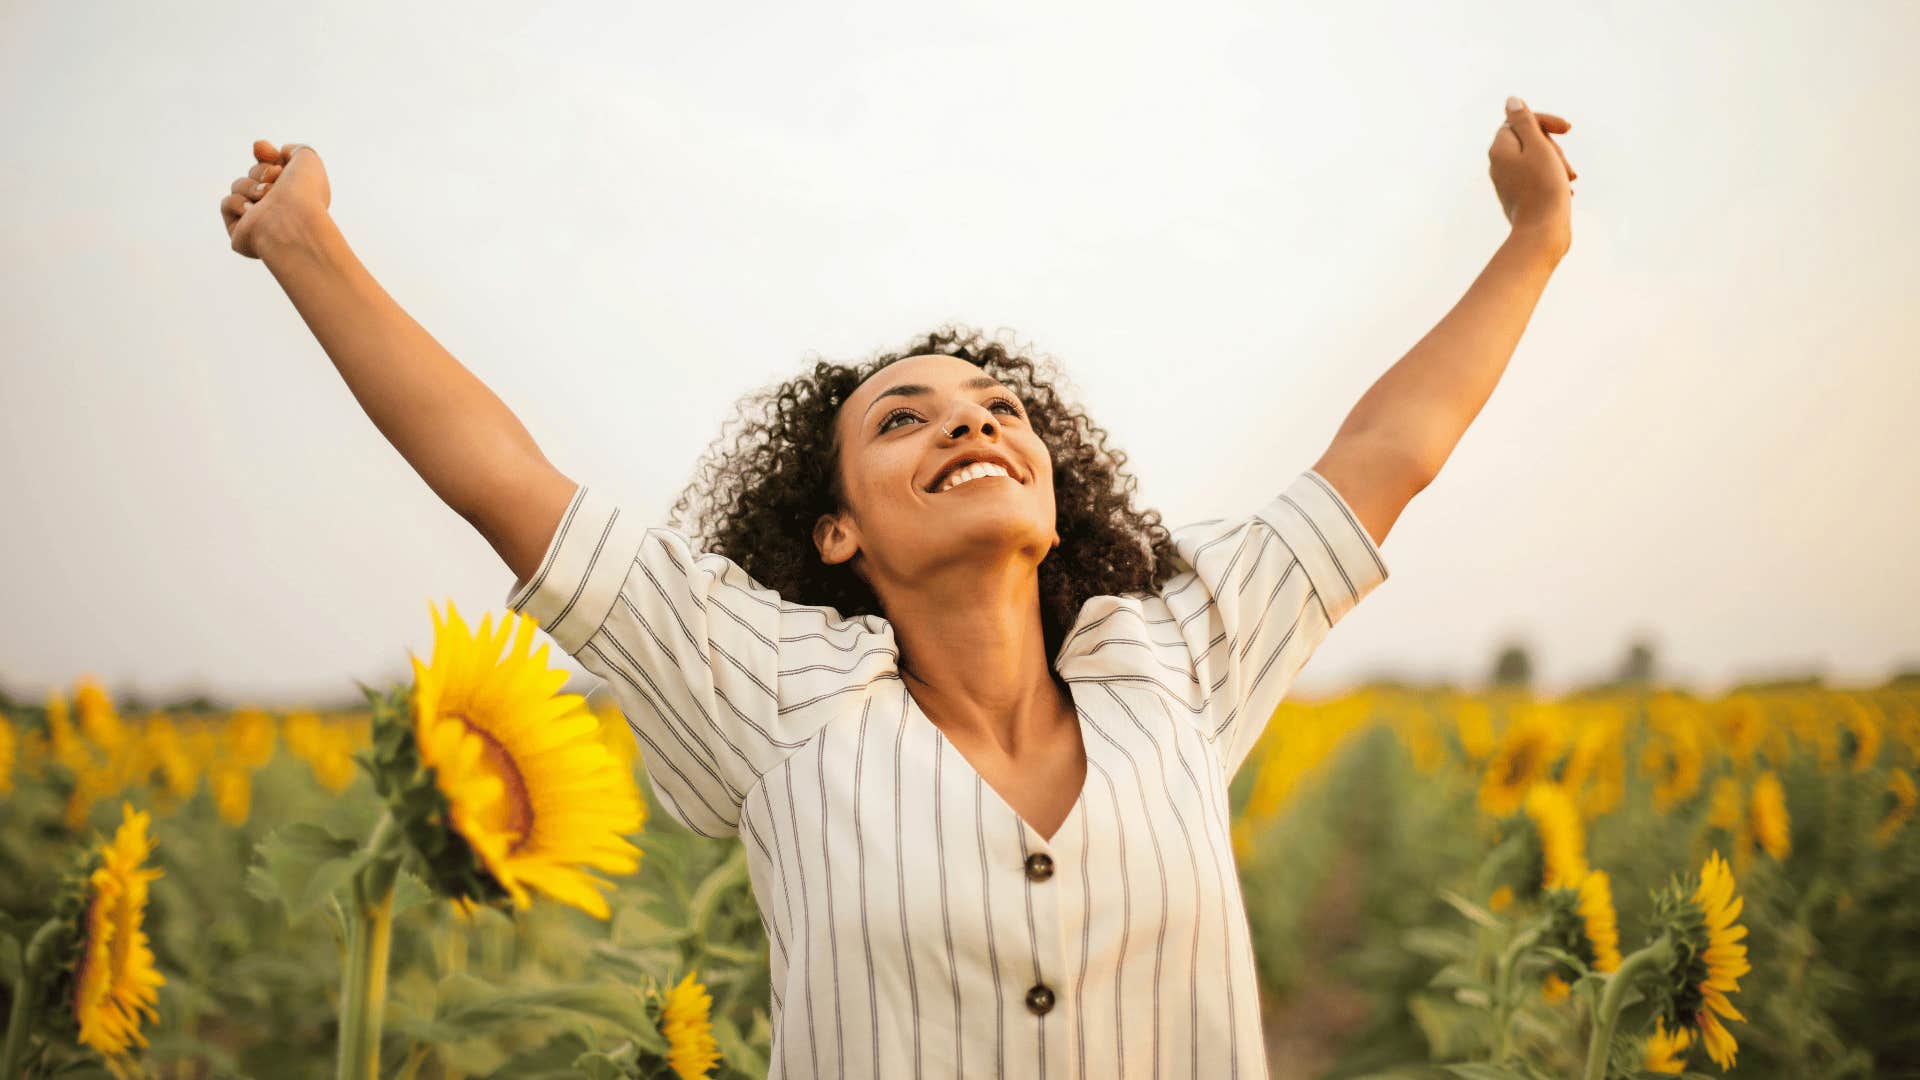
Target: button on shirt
[[918, 926]]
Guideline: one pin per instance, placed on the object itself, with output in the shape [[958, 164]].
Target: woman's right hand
[[284, 187]]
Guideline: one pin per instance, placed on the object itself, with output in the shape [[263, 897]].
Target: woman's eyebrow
[[978, 382]]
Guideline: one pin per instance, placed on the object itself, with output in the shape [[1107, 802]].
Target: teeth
[[971, 472]]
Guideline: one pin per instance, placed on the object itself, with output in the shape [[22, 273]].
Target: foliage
[[1375, 803]]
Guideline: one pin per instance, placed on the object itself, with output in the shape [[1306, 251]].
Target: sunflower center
[[512, 813], [1520, 765]]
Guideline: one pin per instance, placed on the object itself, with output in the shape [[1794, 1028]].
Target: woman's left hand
[[1531, 175]]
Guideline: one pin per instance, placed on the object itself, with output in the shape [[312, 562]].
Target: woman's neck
[[979, 664]]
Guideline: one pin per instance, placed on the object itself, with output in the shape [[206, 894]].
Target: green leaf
[[639, 965], [734, 954], [1475, 1070], [410, 891], [1451, 1029], [470, 1008], [552, 1060], [603, 1065], [735, 1051], [636, 928], [1471, 910], [1460, 977], [1563, 956], [706, 897], [9, 959], [1437, 944], [300, 865]]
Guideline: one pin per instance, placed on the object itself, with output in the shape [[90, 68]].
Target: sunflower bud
[[1708, 957], [105, 981]]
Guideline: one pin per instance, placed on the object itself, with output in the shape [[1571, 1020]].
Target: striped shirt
[[918, 926]]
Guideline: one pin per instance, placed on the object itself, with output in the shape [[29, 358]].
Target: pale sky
[[1223, 220]]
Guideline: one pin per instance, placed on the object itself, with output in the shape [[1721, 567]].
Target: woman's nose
[[964, 416]]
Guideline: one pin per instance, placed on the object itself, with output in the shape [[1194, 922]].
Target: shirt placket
[[1043, 869]]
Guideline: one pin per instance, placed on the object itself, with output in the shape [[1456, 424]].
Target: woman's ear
[[835, 541]]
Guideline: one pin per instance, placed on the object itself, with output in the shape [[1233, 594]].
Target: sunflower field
[[463, 879]]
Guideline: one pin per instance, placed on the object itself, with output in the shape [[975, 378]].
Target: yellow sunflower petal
[[1719, 1043]]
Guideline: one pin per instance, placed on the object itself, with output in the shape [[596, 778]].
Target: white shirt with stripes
[[918, 926]]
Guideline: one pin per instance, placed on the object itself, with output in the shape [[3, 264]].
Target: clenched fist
[[1531, 175], [284, 188]]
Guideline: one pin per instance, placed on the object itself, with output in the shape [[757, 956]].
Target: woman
[[972, 715]]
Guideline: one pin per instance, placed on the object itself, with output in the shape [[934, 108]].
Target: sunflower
[[8, 752], [1727, 811], [1675, 752], [114, 981], [1863, 729], [1768, 815], [528, 783], [1666, 1051], [1583, 924], [99, 720], [1598, 919], [1596, 768], [64, 743], [326, 746], [1741, 727], [1709, 958], [1903, 795], [1473, 723], [1525, 754], [232, 787], [249, 737], [616, 734], [1414, 725], [1562, 842], [691, 1050], [162, 748]]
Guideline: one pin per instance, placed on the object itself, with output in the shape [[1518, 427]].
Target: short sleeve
[[687, 642], [1255, 596]]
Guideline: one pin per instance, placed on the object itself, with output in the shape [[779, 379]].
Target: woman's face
[[894, 448]]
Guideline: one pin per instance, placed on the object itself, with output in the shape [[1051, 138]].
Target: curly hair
[[758, 490]]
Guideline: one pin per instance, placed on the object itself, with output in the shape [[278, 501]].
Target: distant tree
[[1513, 667], [1810, 681], [1640, 665], [196, 701]]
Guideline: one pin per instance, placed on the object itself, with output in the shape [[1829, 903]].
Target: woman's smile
[[965, 483], [978, 470]]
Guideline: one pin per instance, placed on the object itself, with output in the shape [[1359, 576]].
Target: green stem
[[19, 1019], [1503, 987], [363, 993], [1607, 1013], [26, 994]]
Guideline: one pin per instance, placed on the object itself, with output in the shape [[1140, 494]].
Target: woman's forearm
[[453, 430], [1423, 404]]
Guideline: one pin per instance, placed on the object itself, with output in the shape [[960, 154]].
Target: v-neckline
[[986, 785]]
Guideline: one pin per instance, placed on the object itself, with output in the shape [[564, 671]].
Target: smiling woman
[[936, 715]]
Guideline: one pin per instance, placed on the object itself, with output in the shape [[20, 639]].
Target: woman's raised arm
[[461, 438]]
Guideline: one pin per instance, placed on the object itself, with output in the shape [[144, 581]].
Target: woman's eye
[[887, 424]]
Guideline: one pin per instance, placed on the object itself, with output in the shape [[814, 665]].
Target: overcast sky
[[1223, 220]]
